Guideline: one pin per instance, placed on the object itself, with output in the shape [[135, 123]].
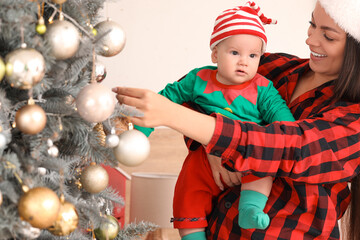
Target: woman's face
[[326, 41]]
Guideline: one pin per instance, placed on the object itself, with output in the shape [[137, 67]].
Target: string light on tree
[[59, 1], [2, 68]]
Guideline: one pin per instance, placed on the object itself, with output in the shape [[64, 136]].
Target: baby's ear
[[214, 55]]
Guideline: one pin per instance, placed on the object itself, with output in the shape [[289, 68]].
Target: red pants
[[195, 191]]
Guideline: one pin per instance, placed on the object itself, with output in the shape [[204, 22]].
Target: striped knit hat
[[247, 19]]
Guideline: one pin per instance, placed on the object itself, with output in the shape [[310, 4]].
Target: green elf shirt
[[256, 100]]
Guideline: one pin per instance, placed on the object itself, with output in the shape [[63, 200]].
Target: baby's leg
[[194, 192], [253, 198]]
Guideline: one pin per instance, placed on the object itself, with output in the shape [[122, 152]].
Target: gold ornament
[[95, 103], [30, 119], [67, 220], [2, 68], [58, 1], [101, 134], [94, 178], [108, 229], [39, 206], [113, 42], [1, 198], [133, 148], [64, 39], [25, 67]]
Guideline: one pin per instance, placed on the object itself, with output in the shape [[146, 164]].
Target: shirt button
[[228, 205]]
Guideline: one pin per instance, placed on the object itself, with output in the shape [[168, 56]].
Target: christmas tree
[[58, 123]]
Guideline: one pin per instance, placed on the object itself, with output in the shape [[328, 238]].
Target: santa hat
[[247, 19], [345, 13]]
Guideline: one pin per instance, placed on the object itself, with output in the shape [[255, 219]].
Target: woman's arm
[[159, 111], [321, 150]]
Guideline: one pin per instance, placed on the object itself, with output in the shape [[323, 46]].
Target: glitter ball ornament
[[113, 42], [133, 148], [64, 39], [100, 71], [2, 69], [108, 229], [95, 103], [25, 67], [39, 206], [66, 221], [30, 119], [94, 178]]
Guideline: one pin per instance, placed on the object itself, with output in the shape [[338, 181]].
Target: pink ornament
[[95, 103]]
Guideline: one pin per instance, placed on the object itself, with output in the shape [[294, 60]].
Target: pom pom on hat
[[247, 19], [345, 13]]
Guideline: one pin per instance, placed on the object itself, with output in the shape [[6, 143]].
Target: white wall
[[168, 38]]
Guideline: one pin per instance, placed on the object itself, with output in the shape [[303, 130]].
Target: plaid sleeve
[[323, 149]]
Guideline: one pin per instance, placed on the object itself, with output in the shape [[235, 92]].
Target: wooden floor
[[167, 154]]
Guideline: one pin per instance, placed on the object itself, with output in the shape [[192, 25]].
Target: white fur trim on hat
[[345, 13]]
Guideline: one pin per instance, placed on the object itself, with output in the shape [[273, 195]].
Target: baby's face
[[237, 58]]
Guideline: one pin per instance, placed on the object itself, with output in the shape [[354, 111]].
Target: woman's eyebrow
[[325, 27]]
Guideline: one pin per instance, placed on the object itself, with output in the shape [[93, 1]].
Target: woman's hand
[[219, 172], [160, 111], [156, 108]]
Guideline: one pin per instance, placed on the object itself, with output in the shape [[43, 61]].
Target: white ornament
[[41, 171], [112, 141], [133, 148], [64, 39], [113, 42], [52, 150], [3, 141], [95, 103]]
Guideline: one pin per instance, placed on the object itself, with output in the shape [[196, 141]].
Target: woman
[[320, 152]]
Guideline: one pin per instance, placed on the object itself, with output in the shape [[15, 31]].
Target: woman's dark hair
[[347, 87]]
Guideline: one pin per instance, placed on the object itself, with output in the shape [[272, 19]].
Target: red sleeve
[[319, 150]]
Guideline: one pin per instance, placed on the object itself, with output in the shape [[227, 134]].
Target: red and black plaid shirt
[[311, 160]]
